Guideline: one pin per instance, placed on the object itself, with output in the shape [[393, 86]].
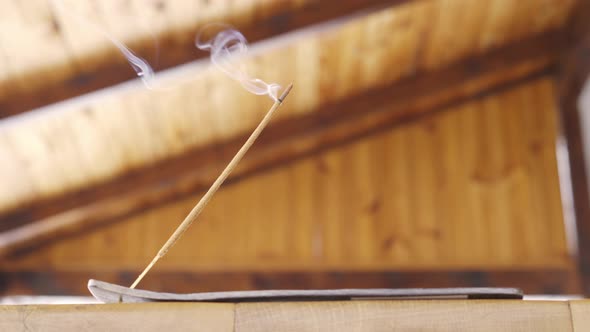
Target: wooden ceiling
[[56, 49], [415, 195], [111, 153]]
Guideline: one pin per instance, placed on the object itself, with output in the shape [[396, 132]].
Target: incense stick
[[192, 216]]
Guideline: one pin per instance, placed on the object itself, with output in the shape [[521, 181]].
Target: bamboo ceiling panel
[[77, 144], [474, 186]]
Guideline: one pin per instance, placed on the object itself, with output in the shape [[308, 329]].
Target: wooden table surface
[[423, 315]]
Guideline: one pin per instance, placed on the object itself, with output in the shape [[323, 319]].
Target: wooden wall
[[472, 187]]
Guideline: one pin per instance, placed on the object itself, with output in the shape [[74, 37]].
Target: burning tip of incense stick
[[286, 92]]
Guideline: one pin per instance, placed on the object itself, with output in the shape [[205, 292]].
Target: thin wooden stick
[[192, 216]]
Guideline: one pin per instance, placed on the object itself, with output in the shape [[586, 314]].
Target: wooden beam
[[573, 76], [102, 67], [531, 281], [288, 140]]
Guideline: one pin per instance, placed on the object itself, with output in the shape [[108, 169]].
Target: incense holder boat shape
[[112, 293]]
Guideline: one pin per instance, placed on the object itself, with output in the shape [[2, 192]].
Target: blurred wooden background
[[418, 147]]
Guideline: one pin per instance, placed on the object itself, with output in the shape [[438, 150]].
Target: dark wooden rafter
[[178, 48], [573, 75], [50, 220], [539, 281]]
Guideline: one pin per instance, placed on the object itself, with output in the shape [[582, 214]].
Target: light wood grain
[[73, 146], [78, 57], [434, 315], [436, 193], [118, 317], [580, 311], [74, 47], [404, 316]]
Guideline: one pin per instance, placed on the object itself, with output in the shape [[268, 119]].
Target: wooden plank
[[542, 126], [288, 140], [115, 317], [431, 315], [580, 311], [443, 315], [469, 228], [394, 209], [521, 202], [422, 197]]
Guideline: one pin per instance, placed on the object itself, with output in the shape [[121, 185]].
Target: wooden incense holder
[[111, 293], [196, 211]]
